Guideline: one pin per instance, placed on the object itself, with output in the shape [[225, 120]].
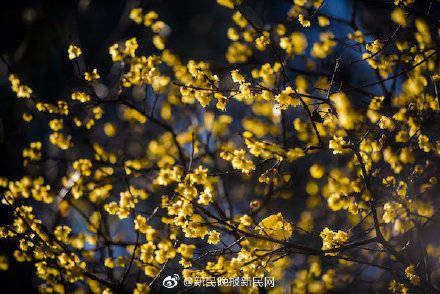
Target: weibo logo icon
[[170, 281]]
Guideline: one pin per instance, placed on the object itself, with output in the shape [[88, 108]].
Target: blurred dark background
[[35, 36]]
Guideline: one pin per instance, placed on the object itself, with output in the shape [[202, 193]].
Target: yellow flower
[[317, 171], [303, 21], [238, 160], [323, 48], [62, 233], [115, 53], [262, 42], [149, 18], [214, 237], [229, 3], [237, 77], [399, 17], [275, 226], [187, 251], [27, 117], [60, 140], [91, 76], [56, 124], [233, 34], [22, 91], [331, 239], [238, 52], [4, 264], [74, 52], [397, 287], [132, 115], [296, 43], [239, 19], [110, 129], [136, 15], [159, 42], [280, 29], [410, 273], [323, 21], [80, 96], [338, 145], [141, 289], [348, 117]]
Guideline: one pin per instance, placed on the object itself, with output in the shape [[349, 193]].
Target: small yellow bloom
[[136, 15], [214, 237], [110, 130], [331, 239], [187, 251], [233, 34], [323, 21], [317, 171], [399, 17], [27, 117], [56, 124], [80, 96], [410, 273], [4, 264], [304, 21], [280, 29], [262, 42], [229, 3], [91, 76], [159, 42], [73, 51], [21, 90], [114, 52], [141, 289]]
